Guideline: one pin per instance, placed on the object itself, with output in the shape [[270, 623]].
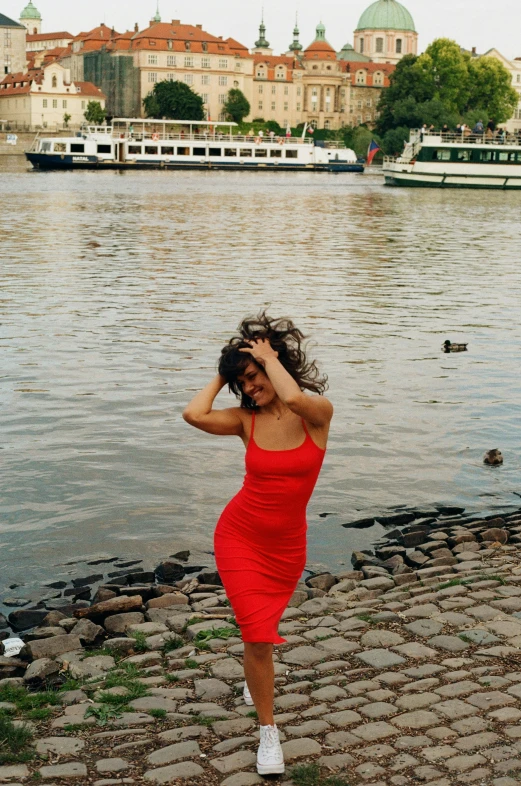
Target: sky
[[478, 23]]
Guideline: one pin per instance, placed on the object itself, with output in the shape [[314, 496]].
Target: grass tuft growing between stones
[[140, 640], [14, 742], [172, 644], [103, 714], [310, 775], [204, 636], [26, 701], [366, 618], [157, 713]]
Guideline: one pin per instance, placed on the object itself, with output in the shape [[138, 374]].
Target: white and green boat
[[439, 160]]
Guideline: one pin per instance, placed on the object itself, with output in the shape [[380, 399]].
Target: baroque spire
[[262, 43], [296, 46]]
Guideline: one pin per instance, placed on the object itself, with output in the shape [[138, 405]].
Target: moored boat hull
[[64, 161], [424, 180]]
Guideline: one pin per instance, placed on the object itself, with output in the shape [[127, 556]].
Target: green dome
[[30, 12], [386, 15]]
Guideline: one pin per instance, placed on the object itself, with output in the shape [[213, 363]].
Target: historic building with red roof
[[43, 97]]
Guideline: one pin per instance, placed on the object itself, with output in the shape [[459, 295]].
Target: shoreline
[[406, 528], [389, 672]]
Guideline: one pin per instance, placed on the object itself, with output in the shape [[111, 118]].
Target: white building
[[42, 98], [514, 68], [12, 46]]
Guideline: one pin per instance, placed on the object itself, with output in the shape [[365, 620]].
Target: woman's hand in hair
[[260, 349]]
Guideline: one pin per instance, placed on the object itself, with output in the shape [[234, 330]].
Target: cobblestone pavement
[[387, 680]]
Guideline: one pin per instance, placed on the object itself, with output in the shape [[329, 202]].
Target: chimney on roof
[[176, 21], [473, 51], [199, 27], [136, 28]]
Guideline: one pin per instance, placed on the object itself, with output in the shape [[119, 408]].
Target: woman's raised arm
[[199, 412], [314, 409]]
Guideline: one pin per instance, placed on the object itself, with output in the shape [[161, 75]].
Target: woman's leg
[[260, 677]]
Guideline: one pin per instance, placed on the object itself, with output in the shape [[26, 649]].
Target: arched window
[[54, 80], [360, 77], [378, 78], [261, 73], [379, 45], [399, 46]]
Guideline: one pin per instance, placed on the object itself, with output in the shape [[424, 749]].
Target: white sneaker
[[270, 759], [246, 695]]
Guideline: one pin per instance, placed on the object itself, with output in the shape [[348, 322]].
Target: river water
[[117, 291]]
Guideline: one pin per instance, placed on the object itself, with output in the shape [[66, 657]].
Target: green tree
[[67, 119], [490, 89], [174, 101], [95, 113], [237, 106], [445, 85]]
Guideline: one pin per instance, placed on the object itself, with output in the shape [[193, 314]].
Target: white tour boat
[[450, 160], [176, 144]]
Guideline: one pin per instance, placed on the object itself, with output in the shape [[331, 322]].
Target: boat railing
[[499, 137], [138, 136]]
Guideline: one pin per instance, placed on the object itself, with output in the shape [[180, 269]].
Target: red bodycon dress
[[260, 539]]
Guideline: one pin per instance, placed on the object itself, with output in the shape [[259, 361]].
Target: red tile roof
[[88, 89], [319, 50], [157, 38], [47, 37]]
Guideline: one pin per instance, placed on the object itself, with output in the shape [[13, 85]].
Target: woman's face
[[256, 384]]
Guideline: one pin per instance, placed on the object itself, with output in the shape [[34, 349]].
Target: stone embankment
[[402, 671]]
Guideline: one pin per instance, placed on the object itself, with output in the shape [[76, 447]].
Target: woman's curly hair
[[284, 338]]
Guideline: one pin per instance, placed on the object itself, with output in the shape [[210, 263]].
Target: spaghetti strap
[[252, 425], [305, 427]]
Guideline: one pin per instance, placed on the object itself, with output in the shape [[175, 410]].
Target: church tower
[[296, 46], [262, 46], [31, 18]]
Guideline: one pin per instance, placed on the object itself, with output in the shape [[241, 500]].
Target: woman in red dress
[[260, 539]]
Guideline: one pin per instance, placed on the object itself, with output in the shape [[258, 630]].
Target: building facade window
[[399, 45], [223, 63], [261, 73], [379, 45], [205, 62], [362, 45], [298, 107], [223, 81], [83, 104], [299, 91], [54, 81], [260, 105], [369, 103], [273, 106], [222, 117], [261, 89], [152, 60], [171, 61], [170, 77], [378, 78], [286, 90], [44, 103], [189, 79], [152, 76], [360, 78], [286, 106], [222, 98], [64, 104], [273, 90], [7, 39], [204, 46], [205, 79], [189, 61], [55, 103]]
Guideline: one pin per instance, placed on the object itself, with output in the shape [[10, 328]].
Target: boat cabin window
[[60, 147], [199, 151], [75, 148], [276, 153], [246, 152], [216, 152], [487, 156], [46, 147], [261, 153], [104, 148], [507, 157], [151, 150], [135, 150], [167, 151], [463, 155], [230, 151], [291, 153], [183, 151], [441, 155]]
